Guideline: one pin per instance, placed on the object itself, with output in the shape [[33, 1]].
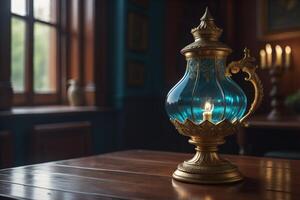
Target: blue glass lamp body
[[205, 81]]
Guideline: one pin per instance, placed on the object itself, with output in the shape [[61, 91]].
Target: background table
[[141, 174], [264, 137]]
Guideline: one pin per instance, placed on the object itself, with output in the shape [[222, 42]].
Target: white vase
[[75, 93]]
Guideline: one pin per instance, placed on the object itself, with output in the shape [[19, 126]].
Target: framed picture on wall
[[137, 34], [135, 74], [278, 19]]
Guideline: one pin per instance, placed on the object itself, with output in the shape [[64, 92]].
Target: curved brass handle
[[247, 65]]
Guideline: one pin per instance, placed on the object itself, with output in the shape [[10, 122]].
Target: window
[[35, 51]]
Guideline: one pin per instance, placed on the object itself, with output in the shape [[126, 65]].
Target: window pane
[[45, 10], [18, 7], [44, 58], [18, 54]]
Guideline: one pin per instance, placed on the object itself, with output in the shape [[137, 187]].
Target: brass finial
[[206, 37], [207, 15], [207, 30]]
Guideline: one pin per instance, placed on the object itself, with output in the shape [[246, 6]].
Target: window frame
[[28, 97]]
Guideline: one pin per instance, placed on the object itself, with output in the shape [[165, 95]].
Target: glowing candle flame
[[288, 49], [208, 108]]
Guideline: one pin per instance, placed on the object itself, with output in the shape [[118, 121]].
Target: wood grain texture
[[142, 174]]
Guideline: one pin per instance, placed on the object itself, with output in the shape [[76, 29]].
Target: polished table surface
[[140, 174]]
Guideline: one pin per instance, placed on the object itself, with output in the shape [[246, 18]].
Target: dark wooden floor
[[147, 175]]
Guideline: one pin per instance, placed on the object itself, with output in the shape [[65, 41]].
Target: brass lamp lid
[[206, 37]]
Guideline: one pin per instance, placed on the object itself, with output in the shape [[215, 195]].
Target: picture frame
[[135, 73], [278, 19], [137, 34]]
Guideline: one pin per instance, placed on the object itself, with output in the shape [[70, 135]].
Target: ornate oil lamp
[[207, 105]]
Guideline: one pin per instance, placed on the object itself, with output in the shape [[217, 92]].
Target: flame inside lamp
[[208, 108]]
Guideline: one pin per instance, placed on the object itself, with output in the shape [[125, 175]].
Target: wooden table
[[147, 175]]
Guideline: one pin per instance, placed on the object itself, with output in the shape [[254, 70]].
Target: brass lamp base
[[206, 166], [195, 171]]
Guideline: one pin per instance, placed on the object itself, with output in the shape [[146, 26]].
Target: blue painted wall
[[137, 106], [116, 49], [119, 54]]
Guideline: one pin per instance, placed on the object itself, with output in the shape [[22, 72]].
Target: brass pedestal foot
[[207, 168]]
